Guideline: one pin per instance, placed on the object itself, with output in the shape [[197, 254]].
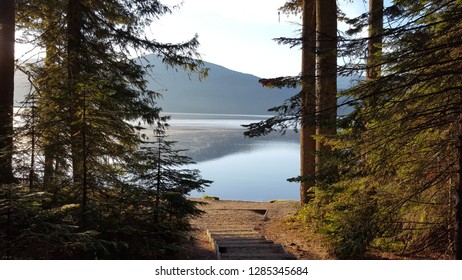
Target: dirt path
[[270, 219]]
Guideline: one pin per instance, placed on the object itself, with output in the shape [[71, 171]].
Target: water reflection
[[241, 168], [257, 175]]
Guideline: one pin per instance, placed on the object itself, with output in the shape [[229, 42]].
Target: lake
[[253, 169]]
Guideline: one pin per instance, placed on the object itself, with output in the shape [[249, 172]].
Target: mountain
[[224, 91]]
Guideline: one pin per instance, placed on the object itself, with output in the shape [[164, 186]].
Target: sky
[[237, 34]]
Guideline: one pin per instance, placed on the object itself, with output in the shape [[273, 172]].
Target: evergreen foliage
[[162, 174], [77, 147], [398, 160], [398, 153], [91, 186]]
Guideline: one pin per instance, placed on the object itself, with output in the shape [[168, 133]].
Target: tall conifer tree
[[374, 48], [7, 38], [308, 102], [400, 140], [100, 89], [326, 89], [92, 100]]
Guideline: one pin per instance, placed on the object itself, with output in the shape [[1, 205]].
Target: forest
[[387, 176], [81, 179]]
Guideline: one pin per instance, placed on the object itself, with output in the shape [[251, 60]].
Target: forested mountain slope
[[224, 91]]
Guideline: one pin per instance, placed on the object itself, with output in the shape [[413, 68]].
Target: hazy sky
[[238, 34]]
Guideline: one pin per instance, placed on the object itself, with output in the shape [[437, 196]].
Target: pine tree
[[398, 147], [99, 89], [152, 210], [326, 88], [374, 48], [314, 113], [162, 174], [7, 38], [308, 102], [91, 101]]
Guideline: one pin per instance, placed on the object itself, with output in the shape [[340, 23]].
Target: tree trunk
[[458, 192], [308, 102], [158, 178], [7, 37], [33, 148], [74, 42], [49, 136], [374, 53], [326, 87], [374, 48], [48, 169]]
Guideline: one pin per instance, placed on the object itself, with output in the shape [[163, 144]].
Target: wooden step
[[250, 248], [231, 228], [220, 234], [238, 241], [255, 256], [231, 231], [242, 242], [223, 236]]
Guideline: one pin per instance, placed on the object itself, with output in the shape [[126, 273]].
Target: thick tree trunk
[[308, 100], [74, 42], [374, 53], [7, 28], [374, 49], [326, 86]]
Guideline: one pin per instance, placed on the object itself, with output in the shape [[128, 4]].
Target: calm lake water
[[254, 169], [242, 169]]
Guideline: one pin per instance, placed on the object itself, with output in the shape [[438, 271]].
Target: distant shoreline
[[226, 115]]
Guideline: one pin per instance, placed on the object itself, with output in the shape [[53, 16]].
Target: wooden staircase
[[239, 242]]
